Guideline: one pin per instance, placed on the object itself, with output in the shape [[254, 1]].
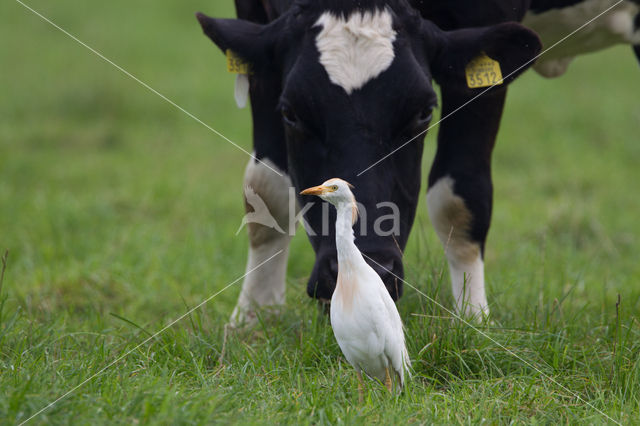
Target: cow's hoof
[[242, 318], [245, 319], [475, 316]]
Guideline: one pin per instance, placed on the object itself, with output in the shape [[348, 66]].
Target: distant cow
[[554, 20], [337, 85]]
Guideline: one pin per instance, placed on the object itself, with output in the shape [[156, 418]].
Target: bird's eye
[[334, 187], [289, 116]]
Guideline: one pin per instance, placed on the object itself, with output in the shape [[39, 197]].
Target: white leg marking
[[451, 220], [553, 68], [266, 285], [467, 285], [614, 27], [356, 50]]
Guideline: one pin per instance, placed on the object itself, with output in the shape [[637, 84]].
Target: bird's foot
[[387, 380], [360, 388]]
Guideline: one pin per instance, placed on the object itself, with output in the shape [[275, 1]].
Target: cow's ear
[[250, 41], [511, 45]]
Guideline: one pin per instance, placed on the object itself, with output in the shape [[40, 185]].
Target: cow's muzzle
[[386, 262]]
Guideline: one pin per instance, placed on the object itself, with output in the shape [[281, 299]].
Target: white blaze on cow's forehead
[[356, 50]]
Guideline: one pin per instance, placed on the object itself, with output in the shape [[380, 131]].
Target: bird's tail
[[406, 366]]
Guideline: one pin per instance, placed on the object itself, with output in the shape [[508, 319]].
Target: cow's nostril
[[387, 265], [390, 270], [333, 266], [382, 264], [384, 267], [323, 277]]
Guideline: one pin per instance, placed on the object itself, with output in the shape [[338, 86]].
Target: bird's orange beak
[[315, 190]]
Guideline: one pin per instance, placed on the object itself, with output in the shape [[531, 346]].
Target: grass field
[[120, 214]]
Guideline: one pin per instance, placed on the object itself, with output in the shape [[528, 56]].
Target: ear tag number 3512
[[483, 71]]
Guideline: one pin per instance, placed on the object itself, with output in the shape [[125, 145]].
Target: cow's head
[[356, 83]]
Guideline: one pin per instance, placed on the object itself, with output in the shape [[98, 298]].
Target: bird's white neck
[[348, 253]]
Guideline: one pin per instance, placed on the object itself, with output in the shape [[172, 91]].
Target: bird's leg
[[387, 380], [360, 387]]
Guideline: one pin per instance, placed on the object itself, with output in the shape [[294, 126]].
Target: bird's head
[[337, 192]]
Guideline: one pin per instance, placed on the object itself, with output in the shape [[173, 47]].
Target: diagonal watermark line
[[476, 329], [489, 88], [153, 336], [145, 85]]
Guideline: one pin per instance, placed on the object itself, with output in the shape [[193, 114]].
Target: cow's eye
[[289, 116], [425, 115]]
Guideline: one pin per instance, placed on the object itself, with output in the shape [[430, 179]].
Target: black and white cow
[[335, 86], [553, 20]]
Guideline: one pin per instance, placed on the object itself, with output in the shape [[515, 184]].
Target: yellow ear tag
[[483, 71], [235, 65]]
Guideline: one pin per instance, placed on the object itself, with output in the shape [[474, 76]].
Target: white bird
[[364, 318]]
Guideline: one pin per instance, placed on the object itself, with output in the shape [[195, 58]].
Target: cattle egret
[[364, 318]]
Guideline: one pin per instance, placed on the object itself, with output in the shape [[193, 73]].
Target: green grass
[[120, 212]]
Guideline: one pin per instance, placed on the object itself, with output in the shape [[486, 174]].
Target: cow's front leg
[[460, 191], [268, 208]]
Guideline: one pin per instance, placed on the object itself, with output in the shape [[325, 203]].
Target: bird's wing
[[358, 328], [377, 317], [369, 329], [395, 346]]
